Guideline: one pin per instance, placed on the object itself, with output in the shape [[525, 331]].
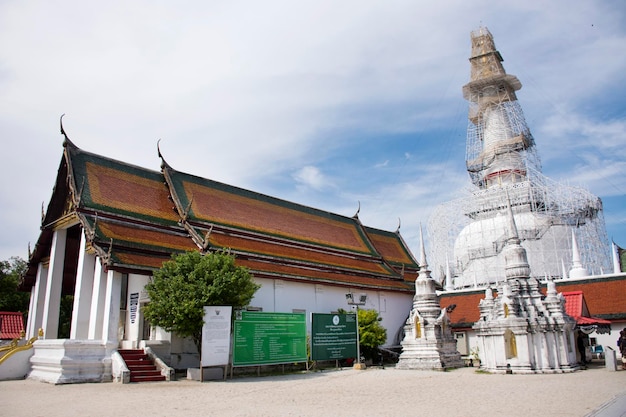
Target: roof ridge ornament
[[399, 224], [61, 125], [187, 209], [206, 242], [90, 232], [358, 210], [164, 163], [67, 139], [109, 259]]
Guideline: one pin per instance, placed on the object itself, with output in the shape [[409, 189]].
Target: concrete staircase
[[141, 367]]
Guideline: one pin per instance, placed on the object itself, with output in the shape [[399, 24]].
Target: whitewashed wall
[[277, 295], [287, 296]]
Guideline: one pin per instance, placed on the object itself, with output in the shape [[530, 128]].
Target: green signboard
[[269, 338], [333, 336]]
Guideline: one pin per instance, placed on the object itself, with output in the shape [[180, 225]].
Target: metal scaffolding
[[467, 235]]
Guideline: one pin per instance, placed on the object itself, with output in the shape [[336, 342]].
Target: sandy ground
[[345, 392]]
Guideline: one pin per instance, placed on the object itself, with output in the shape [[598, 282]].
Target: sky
[[330, 104]]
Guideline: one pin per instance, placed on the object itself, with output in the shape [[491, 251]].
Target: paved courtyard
[[345, 392]]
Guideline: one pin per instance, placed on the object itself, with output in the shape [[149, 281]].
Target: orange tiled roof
[[210, 202], [600, 298], [299, 273], [11, 324], [286, 235], [135, 218], [466, 311], [604, 296], [296, 253], [391, 246]]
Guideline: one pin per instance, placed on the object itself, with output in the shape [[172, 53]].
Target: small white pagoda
[[428, 342], [520, 330]]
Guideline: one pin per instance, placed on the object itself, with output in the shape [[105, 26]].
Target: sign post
[[264, 338], [333, 336], [215, 338]]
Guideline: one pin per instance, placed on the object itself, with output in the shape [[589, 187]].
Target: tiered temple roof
[[135, 218]]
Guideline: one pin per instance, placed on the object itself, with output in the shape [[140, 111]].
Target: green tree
[[371, 333], [184, 285], [10, 298]]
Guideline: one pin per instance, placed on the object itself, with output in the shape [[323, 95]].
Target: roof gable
[[111, 186]]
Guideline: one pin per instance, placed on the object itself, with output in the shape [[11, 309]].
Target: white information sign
[[216, 336]]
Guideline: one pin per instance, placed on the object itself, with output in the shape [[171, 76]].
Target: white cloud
[[265, 94], [310, 176]]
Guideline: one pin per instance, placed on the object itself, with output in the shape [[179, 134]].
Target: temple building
[[110, 224]]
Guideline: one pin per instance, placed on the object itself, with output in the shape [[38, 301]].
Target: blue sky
[[323, 103]]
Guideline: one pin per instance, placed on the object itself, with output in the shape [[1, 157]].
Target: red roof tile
[[576, 307], [574, 303], [11, 324]]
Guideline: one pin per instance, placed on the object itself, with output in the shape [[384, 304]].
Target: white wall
[[610, 340], [287, 296], [276, 295]]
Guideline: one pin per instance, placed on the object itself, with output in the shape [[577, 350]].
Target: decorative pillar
[[111, 311], [31, 309], [83, 292], [54, 285], [97, 302]]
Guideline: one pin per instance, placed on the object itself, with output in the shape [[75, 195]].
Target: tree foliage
[[10, 298], [184, 285], [371, 333]]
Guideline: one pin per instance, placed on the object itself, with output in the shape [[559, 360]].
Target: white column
[[545, 353], [564, 360], [97, 302], [52, 303], [30, 324], [111, 316], [83, 292], [35, 316]]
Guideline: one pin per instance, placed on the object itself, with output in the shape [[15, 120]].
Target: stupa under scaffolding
[[467, 235]]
